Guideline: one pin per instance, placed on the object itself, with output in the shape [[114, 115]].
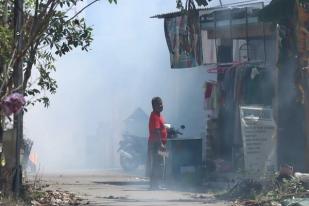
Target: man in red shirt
[[156, 142]]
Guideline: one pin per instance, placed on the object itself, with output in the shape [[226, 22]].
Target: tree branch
[[28, 69], [80, 11]]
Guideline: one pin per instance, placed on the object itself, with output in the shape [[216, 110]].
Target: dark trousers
[[154, 168]]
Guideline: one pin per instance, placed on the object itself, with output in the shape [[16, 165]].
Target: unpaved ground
[[118, 189]]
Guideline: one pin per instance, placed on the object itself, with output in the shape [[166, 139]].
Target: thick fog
[[127, 66]]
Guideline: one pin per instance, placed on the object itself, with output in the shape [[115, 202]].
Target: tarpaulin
[[183, 39]]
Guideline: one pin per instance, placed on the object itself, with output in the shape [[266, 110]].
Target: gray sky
[[127, 66]]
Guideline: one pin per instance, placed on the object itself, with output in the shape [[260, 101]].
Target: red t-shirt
[[156, 121]]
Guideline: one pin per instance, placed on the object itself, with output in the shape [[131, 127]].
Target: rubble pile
[[56, 198], [273, 192], [246, 189], [39, 195]]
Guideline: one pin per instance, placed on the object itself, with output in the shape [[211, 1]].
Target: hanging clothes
[[258, 87], [208, 90], [212, 99], [183, 39]]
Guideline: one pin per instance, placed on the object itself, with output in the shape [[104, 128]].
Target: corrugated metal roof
[[211, 9], [175, 13]]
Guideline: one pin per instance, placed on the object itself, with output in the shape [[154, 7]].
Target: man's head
[[157, 104]]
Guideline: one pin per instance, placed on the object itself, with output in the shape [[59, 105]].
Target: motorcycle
[[133, 149]]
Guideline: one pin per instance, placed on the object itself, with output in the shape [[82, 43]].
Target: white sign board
[[258, 130]]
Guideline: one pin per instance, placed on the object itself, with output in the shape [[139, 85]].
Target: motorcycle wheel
[[128, 164]]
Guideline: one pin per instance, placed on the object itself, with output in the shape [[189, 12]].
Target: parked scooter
[[133, 149]]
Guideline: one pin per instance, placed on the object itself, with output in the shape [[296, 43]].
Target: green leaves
[[60, 37], [6, 42], [190, 4], [179, 5], [43, 100], [202, 2], [112, 1], [49, 31], [45, 65], [65, 35]]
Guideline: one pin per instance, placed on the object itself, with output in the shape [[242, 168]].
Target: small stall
[[185, 159], [245, 64]]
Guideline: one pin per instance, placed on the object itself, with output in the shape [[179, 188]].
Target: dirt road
[[119, 189]]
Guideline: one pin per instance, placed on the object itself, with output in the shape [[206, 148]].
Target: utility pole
[[18, 81]]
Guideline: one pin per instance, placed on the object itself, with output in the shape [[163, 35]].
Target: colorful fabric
[[212, 98], [208, 90], [156, 121], [183, 39], [13, 104]]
